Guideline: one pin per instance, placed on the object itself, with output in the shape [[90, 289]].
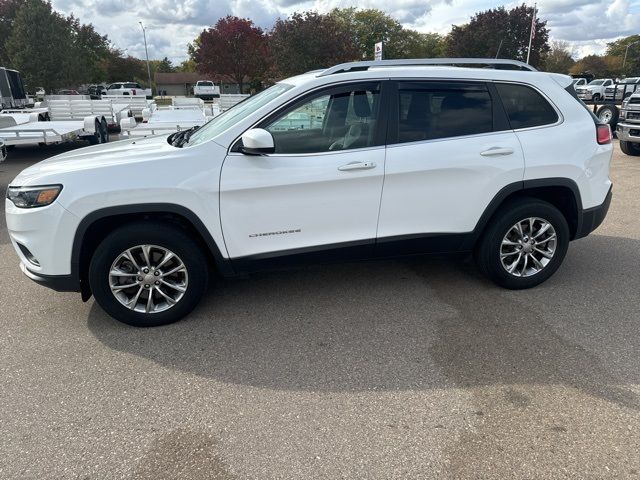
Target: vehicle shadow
[[415, 323]]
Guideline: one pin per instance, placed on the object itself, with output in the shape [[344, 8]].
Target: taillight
[[133, 91], [603, 134]]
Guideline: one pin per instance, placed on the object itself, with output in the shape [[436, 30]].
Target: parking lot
[[409, 368]]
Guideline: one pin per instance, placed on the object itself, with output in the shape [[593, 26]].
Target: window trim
[[380, 135], [500, 122]]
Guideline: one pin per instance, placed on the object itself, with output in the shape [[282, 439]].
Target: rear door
[[450, 152]]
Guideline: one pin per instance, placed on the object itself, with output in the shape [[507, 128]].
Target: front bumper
[[628, 132], [591, 218], [585, 96], [59, 283]]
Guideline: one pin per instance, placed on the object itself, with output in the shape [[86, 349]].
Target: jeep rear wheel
[[148, 274], [524, 244]]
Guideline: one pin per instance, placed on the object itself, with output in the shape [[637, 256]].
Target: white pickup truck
[[206, 90], [594, 90], [128, 88]]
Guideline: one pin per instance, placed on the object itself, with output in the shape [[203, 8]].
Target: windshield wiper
[[178, 139]]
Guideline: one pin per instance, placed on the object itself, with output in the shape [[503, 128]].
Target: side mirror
[[257, 141]]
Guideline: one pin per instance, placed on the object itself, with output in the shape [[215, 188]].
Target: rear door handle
[[357, 166], [497, 152]]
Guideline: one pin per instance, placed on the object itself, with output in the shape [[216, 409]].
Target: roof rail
[[415, 62]]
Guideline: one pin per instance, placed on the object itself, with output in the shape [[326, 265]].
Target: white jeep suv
[[393, 158]]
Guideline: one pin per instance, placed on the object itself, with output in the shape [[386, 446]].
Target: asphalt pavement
[[411, 368]]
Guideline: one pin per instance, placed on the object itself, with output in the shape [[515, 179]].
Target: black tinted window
[[525, 107], [430, 111]]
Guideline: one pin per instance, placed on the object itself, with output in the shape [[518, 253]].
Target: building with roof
[[181, 83]]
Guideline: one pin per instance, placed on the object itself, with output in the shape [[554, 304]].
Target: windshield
[[237, 113], [597, 82]]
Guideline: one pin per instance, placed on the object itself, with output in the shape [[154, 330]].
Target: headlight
[[31, 197]]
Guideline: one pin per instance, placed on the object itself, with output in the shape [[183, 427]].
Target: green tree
[[308, 41], [41, 46], [164, 66], [483, 35], [414, 44], [599, 66], [559, 59], [618, 49], [89, 51], [8, 12], [119, 68], [188, 65]]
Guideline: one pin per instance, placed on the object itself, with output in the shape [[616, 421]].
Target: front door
[[319, 193]]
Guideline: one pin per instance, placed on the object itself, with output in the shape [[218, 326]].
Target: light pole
[[146, 52], [625, 54]]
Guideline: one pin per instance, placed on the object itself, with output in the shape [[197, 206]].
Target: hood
[[97, 156]]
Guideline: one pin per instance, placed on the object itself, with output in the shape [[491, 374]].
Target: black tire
[[162, 235], [630, 148], [96, 138], [608, 114], [104, 131], [596, 97], [487, 252]]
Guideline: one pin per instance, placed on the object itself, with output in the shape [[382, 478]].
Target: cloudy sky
[[171, 24]]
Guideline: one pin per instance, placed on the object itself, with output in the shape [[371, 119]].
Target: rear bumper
[[591, 218], [628, 132], [59, 283]]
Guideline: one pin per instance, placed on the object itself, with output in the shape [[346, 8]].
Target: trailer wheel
[[608, 114], [104, 131], [96, 138], [630, 148]]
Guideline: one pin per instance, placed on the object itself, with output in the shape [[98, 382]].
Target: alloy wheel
[[148, 278], [528, 247]]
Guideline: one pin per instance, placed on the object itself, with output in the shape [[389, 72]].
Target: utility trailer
[[93, 129], [184, 113], [135, 103], [12, 92], [73, 108], [60, 120]]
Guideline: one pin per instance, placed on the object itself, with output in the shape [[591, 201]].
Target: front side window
[[430, 110], [525, 107], [342, 118], [237, 113]]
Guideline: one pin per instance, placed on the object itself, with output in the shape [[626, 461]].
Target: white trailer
[[93, 129], [184, 113], [66, 119], [135, 103], [73, 108]]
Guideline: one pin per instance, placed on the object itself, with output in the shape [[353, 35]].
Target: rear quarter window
[[525, 107]]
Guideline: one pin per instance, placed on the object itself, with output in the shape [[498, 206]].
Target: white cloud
[[172, 24]]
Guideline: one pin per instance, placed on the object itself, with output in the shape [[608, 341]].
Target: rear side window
[[430, 110], [525, 107]]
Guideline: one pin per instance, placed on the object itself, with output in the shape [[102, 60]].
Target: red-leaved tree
[[233, 47]]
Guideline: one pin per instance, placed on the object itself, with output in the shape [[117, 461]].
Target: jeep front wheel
[[524, 245], [148, 274]]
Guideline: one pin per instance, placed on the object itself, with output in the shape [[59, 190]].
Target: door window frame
[[379, 137]]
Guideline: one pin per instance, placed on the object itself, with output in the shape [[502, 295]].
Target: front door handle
[[497, 152], [357, 166]]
